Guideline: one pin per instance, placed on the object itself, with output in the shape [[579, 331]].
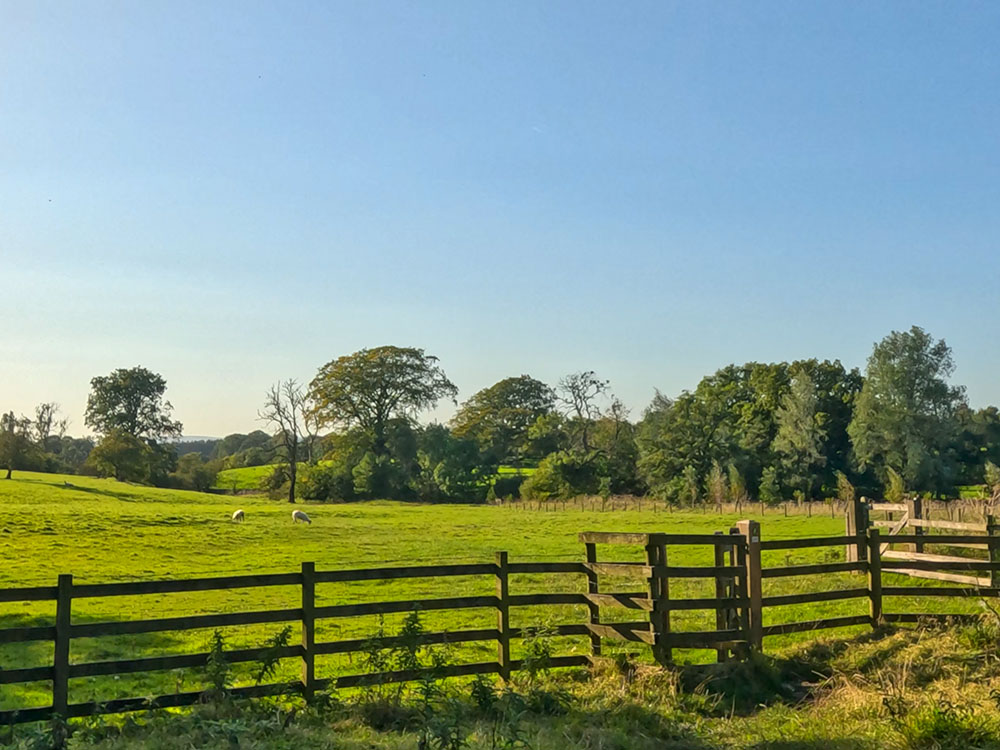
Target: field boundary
[[738, 605]]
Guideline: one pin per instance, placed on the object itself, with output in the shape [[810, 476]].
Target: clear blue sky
[[233, 193]]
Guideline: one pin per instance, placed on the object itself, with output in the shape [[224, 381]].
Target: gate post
[[993, 550], [751, 535], [60, 661], [914, 510], [593, 610], [659, 596]]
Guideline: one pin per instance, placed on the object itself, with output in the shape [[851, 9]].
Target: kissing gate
[[737, 600]]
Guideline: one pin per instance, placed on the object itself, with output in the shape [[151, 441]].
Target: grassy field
[[103, 531]]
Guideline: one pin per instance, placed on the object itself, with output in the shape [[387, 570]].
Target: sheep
[[298, 515], [238, 516]]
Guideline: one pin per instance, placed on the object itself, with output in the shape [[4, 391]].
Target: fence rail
[[738, 608]]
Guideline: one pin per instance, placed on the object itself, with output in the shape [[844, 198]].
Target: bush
[[327, 483]]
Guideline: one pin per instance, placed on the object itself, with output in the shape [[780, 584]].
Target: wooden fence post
[[857, 526], [60, 662], [593, 587], [723, 590], [914, 510], [308, 629], [659, 595], [503, 615], [993, 549], [751, 534], [874, 577]]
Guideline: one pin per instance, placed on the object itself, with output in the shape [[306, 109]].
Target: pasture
[[104, 531]]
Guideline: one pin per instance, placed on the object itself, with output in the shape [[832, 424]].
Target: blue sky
[[233, 193]]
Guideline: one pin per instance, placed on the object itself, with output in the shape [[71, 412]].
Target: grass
[[102, 530], [914, 689]]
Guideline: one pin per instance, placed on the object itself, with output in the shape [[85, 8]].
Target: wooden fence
[[738, 603], [64, 631], [914, 515]]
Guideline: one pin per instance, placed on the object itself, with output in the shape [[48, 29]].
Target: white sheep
[[238, 516], [299, 515]]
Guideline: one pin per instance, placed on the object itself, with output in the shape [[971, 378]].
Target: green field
[[103, 531]]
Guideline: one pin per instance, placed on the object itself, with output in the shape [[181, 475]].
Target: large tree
[[371, 387], [130, 401], [801, 434], [905, 417], [498, 418], [15, 441]]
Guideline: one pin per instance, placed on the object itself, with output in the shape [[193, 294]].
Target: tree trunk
[[9, 470]]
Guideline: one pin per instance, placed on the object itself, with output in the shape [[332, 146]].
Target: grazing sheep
[[298, 515], [238, 516]]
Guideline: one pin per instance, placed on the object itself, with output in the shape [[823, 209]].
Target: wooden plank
[[129, 627], [409, 605], [527, 600], [814, 596], [413, 571], [180, 661], [889, 507], [546, 567], [974, 592], [32, 633], [32, 674], [969, 565], [801, 627], [630, 538], [25, 715], [135, 588], [882, 524], [570, 660], [901, 555], [824, 541], [178, 700], [807, 570], [951, 577], [952, 525], [28, 594], [623, 631], [950, 540], [632, 600]]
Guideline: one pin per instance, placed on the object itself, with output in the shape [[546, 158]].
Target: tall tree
[[285, 411], [905, 416], [369, 388], [130, 401], [498, 418], [48, 424], [801, 434], [579, 393], [15, 441]]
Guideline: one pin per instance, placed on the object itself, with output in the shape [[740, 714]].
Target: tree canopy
[[369, 388], [498, 418], [130, 401], [906, 416]]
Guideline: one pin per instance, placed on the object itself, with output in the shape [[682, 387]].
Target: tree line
[[757, 431]]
